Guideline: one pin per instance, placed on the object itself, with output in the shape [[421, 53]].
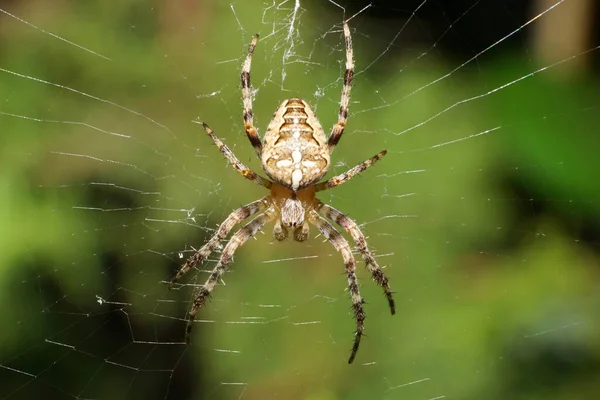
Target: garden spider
[[295, 154]]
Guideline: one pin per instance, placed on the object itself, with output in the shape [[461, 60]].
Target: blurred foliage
[[486, 215]]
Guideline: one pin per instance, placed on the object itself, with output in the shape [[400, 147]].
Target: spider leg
[[232, 220], [341, 245], [238, 239], [346, 176], [361, 242], [338, 128], [235, 162], [247, 98]]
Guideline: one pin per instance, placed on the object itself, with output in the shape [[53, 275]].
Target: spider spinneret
[[295, 155]]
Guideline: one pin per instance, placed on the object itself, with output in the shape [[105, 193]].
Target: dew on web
[[483, 214]]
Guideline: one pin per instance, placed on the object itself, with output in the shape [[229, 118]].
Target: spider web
[[484, 212]]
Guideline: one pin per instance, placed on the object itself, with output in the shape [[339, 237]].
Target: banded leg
[[238, 239], [361, 242], [338, 128], [346, 176], [235, 162], [341, 245], [247, 98], [232, 220]]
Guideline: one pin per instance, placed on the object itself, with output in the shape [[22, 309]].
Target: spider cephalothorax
[[295, 155], [292, 206]]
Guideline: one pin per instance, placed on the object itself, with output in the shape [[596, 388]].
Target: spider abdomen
[[295, 151]]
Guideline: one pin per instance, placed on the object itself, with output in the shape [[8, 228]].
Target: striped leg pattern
[[235, 162], [247, 99], [341, 245], [361, 243], [338, 128], [238, 239], [214, 242], [352, 172]]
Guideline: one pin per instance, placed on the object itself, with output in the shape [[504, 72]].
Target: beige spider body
[[293, 207], [295, 154]]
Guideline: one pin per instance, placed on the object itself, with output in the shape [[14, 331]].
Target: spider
[[295, 155]]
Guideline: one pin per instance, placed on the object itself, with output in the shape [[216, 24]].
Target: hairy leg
[[233, 219], [361, 242], [238, 239], [338, 128], [247, 98], [346, 176], [235, 162], [341, 245]]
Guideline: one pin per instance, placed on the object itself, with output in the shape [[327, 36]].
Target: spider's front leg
[[238, 239], [232, 220], [341, 245], [247, 99], [338, 128]]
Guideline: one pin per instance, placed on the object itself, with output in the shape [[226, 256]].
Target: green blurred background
[[485, 211]]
